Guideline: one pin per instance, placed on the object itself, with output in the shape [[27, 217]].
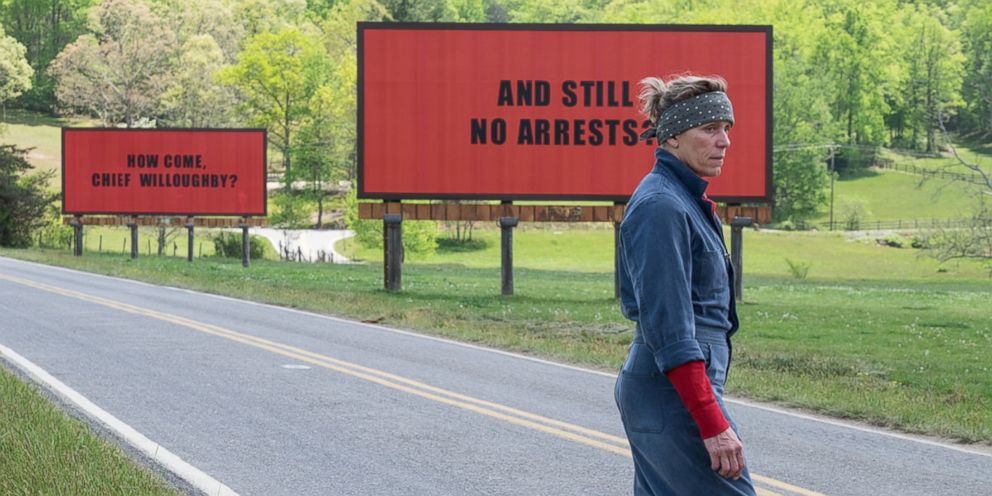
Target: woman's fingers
[[726, 454]]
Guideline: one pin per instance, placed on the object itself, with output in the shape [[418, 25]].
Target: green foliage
[[894, 241], [278, 73], [292, 210], [971, 241], [53, 234], [119, 72], [24, 198], [799, 270], [44, 27], [976, 37], [193, 97], [228, 244], [419, 236], [15, 73], [852, 214]]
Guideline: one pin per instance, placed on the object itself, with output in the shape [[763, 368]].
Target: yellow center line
[[498, 411]]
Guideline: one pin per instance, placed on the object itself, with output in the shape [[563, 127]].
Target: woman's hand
[[726, 453]]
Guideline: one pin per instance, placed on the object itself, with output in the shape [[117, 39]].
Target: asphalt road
[[272, 401]]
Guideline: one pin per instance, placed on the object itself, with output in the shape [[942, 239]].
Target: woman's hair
[[657, 95]]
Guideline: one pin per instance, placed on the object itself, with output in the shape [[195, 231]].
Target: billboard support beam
[[737, 253], [133, 225], [189, 239], [616, 250], [393, 252], [506, 225], [77, 231], [245, 248]]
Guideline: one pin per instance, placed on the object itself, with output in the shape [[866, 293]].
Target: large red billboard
[[164, 171], [513, 112]]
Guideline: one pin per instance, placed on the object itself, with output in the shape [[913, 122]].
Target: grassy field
[[43, 134], [829, 256], [873, 333], [895, 195], [42, 451]]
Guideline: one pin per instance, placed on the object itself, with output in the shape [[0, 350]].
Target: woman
[[675, 284]]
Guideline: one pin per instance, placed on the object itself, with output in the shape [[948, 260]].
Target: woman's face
[[702, 148]]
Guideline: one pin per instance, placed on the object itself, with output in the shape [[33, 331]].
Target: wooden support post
[[189, 239], [245, 248], [133, 225], [393, 251], [77, 231], [616, 250], [506, 225], [737, 253]]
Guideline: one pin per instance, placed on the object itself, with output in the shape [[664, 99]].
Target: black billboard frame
[[767, 29], [265, 165]]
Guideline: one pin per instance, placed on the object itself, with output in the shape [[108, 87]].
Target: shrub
[[893, 240], [799, 270], [24, 198], [228, 244], [419, 236], [292, 211]]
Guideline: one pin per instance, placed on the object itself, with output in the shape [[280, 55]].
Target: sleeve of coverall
[[657, 252]]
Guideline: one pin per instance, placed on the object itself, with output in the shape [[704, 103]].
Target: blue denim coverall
[[675, 284]]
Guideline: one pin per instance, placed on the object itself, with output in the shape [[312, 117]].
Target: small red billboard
[[541, 112], [164, 171]]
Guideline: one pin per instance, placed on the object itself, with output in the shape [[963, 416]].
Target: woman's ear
[[672, 142]]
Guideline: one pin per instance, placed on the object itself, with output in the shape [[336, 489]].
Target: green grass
[[973, 153], [43, 451], [872, 333], [117, 240], [42, 133], [830, 255], [894, 195]]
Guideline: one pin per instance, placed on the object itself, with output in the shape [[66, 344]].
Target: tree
[[859, 54], [313, 149], [217, 19], [803, 89], [562, 11], [933, 80], [977, 85], [24, 198], [973, 240], [120, 72], [44, 27], [15, 73], [277, 74], [194, 98], [261, 16]]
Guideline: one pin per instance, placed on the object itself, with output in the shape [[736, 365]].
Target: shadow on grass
[[857, 173], [26, 118], [448, 245]]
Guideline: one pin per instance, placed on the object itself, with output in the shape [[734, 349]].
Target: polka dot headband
[[687, 114]]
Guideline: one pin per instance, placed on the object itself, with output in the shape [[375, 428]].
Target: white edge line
[[196, 477], [780, 411]]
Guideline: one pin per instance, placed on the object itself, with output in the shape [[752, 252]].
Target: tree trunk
[[285, 140], [320, 209]]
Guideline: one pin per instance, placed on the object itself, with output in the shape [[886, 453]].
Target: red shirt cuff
[[696, 392]]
